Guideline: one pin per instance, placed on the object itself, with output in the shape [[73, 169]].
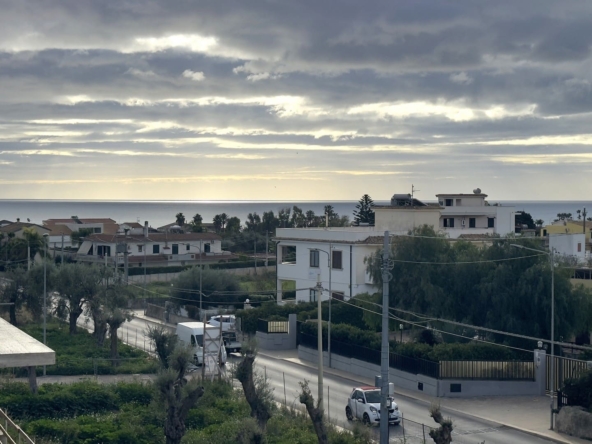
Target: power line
[[466, 262]]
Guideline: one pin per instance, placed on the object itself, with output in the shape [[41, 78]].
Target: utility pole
[[552, 259], [330, 254], [266, 249], [62, 254], [45, 237], [584, 227], [384, 354], [28, 256], [319, 293], [255, 254], [200, 267]]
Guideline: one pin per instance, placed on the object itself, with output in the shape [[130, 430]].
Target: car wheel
[[366, 419], [348, 414]]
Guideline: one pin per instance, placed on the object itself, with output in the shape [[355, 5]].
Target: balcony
[[455, 233]]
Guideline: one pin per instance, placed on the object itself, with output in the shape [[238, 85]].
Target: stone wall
[[575, 421]]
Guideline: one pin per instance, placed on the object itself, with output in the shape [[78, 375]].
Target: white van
[[228, 322], [192, 333]]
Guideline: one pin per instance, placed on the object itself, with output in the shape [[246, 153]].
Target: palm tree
[[180, 219]]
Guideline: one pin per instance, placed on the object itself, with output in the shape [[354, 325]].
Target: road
[[467, 429]]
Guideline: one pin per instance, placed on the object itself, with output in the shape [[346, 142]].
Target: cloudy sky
[[295, 100]]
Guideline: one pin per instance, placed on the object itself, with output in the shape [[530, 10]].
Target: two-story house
[[151, 249], [464, 214]]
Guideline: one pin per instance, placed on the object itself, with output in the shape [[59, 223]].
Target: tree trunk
[[244, 374], [316, 414], [174, 427], [100, 331], [32, 379], [114, 354], [73, 318], [12, 312]]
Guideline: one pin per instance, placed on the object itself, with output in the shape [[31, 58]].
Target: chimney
[[145, 228], [18, 219]]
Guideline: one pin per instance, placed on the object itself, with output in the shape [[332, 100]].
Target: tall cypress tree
[[364, 212]]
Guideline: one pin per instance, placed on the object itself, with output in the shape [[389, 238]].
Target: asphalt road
[[467, 429]]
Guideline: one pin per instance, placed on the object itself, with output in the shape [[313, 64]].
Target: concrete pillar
[[540, 370], [292, 330], [3, 438]]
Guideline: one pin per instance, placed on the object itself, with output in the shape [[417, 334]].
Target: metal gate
[[565, 368]]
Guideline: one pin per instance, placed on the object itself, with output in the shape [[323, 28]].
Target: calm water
[[159, 213]]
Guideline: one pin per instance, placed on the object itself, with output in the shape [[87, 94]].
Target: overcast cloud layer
[[222, 99]]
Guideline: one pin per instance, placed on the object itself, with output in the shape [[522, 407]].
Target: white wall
[[305, 276], [567, 244], [403, 219]]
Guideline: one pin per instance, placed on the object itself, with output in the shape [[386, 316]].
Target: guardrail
[[9, 428]]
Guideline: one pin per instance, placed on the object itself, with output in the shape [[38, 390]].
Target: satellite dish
[[477, 191]]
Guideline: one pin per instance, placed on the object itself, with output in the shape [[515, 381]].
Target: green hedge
[[439, 352], [579, 390], [231, 264]]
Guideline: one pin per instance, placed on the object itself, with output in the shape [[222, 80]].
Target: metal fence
[[272, 326], [488, 370], [10, 429], [565, 368], [416, 366]]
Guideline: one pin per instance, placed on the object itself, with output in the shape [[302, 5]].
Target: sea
[[159, 213]]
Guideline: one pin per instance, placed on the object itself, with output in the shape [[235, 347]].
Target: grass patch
[[79, 354]]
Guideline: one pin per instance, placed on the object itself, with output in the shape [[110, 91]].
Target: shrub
[[579, 390]]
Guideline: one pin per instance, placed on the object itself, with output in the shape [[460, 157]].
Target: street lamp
[[330, 298], [552, 263], [401, 328], [45, 237]]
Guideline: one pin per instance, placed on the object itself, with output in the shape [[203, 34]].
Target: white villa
[[145, 248], [303, 253]]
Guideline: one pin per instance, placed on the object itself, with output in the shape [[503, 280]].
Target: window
[[336, 260], [140, 248], [155, 249], [288, 254], [97, 230], [175, 248], [490, 222], [337, 295], [472, 222], [206, 248], [579, 247], [448, 222], [313, 295], [448, 202], [314, 258], [103, 250], [187, 247]]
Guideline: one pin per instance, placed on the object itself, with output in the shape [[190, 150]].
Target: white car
[[364, 404]]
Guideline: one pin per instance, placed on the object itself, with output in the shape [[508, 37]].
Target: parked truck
[[192, 333], [229, 331]]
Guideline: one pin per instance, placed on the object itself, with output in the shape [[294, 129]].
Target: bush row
[[439, 352], [579, 391], [231, 264], [80, 398]]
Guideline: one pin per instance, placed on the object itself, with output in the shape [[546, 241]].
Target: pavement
[[529, 414]]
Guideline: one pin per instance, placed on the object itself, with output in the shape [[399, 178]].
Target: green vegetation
[[579, 390], [497, 286], [79, 354], [438, 352], [128, 413], [363, 212]]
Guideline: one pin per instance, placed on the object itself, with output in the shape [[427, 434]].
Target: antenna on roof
[[413, 190]]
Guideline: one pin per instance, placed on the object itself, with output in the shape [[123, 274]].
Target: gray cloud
[[140, 92]]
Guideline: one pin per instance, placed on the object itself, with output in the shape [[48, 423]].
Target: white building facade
[[303, 256], [570, 245], [470, 214], [152, 249]]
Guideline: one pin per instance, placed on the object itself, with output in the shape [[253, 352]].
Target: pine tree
[[363, 212]]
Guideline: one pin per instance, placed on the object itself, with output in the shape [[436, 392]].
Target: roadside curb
[[405, 395]]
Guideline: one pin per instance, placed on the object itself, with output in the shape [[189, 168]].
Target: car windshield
[[373, 396]]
